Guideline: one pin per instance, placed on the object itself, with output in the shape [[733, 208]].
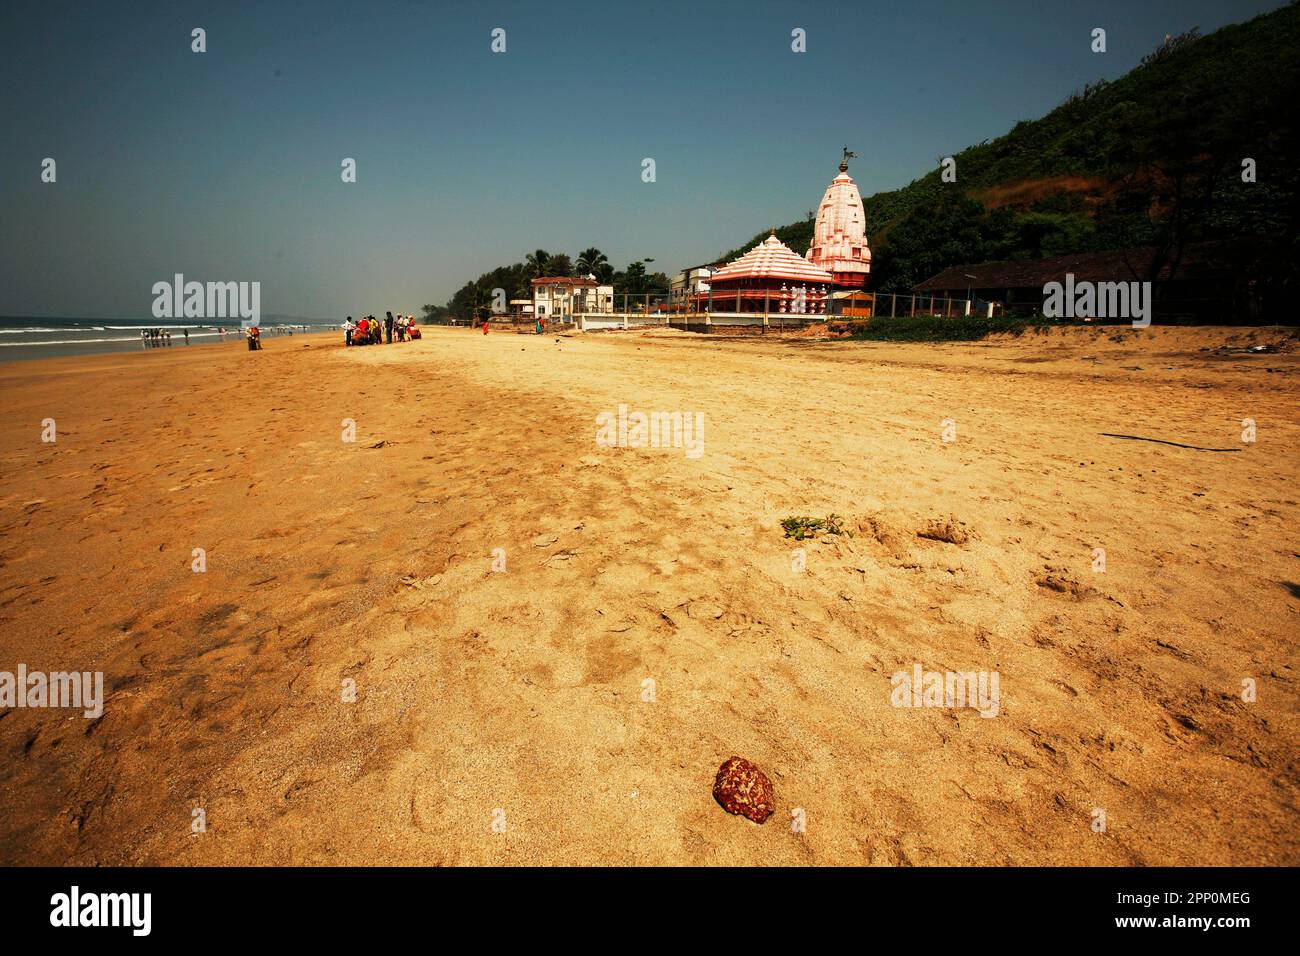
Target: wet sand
[[507, 716]]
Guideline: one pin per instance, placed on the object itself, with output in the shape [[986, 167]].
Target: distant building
[[689, 282], [839, 243], [559, 298], [1209, 282]]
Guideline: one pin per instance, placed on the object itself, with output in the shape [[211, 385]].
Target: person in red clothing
[[485, 326]]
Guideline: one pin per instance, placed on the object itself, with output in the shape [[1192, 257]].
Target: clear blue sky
[[225, 165]]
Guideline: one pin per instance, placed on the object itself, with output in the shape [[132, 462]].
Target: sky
[[226, 165]]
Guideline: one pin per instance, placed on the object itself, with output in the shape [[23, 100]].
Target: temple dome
[[771, 259], [839, 243]]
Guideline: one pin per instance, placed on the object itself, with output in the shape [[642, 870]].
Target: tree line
[[475, 299]]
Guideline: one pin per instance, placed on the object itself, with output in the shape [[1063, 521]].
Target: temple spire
[[839, 240]]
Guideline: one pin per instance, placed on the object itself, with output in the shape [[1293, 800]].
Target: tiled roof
[[565, 280], [771, 259]]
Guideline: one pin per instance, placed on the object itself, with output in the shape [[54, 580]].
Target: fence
[[767, 308]]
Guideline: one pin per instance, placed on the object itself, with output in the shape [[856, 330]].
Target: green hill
[[1153, 158]]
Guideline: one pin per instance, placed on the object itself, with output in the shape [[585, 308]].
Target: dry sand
[[522, 691]]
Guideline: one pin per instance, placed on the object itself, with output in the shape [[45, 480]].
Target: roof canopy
[[564, 280], [771, 259]]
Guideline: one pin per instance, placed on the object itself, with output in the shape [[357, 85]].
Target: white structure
[[839, 243], [560, 298], [693, 279]]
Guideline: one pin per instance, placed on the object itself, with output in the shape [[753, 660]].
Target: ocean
[[29, 338]]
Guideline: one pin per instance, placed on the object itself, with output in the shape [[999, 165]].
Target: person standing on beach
[[388, 328], [187, 336], [347, 331], [485, 326]]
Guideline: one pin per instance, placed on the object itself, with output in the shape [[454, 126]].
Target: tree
[[538, 263], [559, 265], [591, 261], [631, 280]]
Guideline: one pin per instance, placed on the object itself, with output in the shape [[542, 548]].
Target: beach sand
[[519, 697]]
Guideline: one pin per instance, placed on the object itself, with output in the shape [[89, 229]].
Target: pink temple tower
[[839, 242]]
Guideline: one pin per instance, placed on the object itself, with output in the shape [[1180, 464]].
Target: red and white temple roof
[[771, 259]]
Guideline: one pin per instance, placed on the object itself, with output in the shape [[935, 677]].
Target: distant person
[[388, 328], [222, 330], [485, 326], [187, 335], [347, 330]]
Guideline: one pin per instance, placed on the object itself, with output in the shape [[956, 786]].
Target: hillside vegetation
[[1153, 158]]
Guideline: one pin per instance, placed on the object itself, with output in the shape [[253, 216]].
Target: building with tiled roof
[[770, 278], [563, 297]]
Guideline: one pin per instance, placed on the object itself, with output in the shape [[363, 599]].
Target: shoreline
[[32, 351]]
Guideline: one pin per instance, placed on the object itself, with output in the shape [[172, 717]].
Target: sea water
[[29, 338]]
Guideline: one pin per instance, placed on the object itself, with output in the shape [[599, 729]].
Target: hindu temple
[[770, 277], [839, 243]]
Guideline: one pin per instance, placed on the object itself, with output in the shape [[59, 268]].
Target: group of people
[[371, 331], [156, 338]]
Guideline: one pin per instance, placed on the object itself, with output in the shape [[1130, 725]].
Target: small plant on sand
[[800, 527]]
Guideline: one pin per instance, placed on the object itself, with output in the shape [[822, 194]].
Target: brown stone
[[742, 788]]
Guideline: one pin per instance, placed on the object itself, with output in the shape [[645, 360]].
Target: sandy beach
[[554, 644]]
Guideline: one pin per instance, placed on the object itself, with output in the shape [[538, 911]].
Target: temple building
[[839, 243], [769, 278]]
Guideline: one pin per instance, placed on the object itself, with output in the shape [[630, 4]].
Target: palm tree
[[591, 260], [537, 263]]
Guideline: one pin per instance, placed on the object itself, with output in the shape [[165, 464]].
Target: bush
[[800, 527], [925, 328]]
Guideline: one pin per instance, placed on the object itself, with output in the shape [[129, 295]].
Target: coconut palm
[[538, 262], [591, 261]]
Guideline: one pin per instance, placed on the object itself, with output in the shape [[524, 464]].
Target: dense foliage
[[1153, 158]]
